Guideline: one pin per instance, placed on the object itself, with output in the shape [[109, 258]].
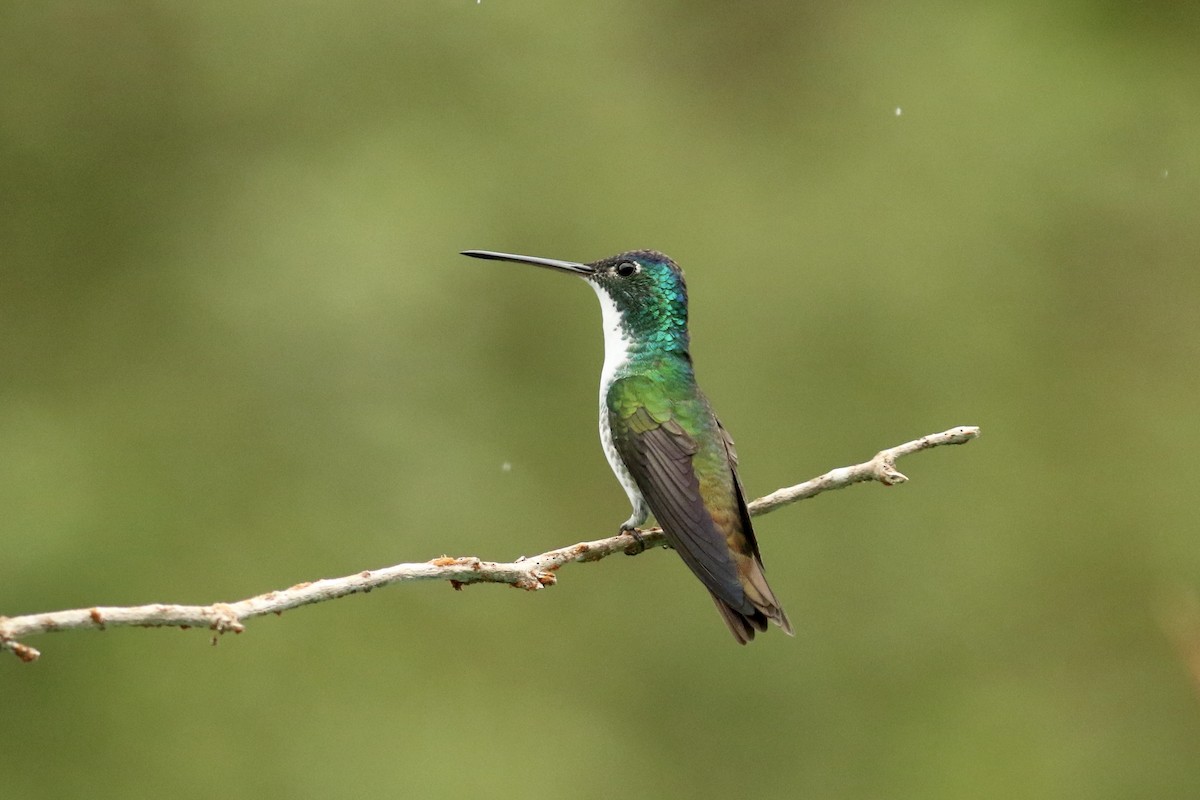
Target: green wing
[[661, 456]]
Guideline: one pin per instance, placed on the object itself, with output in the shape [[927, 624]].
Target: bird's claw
[[639, 544]]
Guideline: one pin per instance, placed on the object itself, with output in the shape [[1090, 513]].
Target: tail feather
[[758, 592], [764, 607], [742, 626]]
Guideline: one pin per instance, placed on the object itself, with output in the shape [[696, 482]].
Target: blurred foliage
[[239, 350]]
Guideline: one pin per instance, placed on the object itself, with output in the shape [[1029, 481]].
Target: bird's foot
[[639, 544]]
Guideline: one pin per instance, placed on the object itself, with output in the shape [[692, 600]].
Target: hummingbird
[[663, 441]]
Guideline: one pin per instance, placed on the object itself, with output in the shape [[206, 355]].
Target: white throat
[[616, 342]]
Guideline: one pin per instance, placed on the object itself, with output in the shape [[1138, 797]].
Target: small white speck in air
[[899, 111], [1166, 173], [506, 467]]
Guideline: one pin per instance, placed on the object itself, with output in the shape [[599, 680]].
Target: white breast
[[616, 356]]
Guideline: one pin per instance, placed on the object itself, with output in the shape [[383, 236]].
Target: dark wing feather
[[659, 457], [743, 510], [754, 580]]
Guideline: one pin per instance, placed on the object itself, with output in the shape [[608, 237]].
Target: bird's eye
[[627, 269]]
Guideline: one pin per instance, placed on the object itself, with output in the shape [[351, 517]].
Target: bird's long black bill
[[549, 263]]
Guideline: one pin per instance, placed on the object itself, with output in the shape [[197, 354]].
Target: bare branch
[[530, 573]]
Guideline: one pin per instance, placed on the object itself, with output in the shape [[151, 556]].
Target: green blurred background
[[238, 350]]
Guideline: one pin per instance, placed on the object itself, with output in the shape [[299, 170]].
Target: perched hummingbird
[[667, 448]]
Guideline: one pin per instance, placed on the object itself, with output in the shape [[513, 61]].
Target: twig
[[530, 573]]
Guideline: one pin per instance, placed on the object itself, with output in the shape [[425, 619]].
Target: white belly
[[614, 458]]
